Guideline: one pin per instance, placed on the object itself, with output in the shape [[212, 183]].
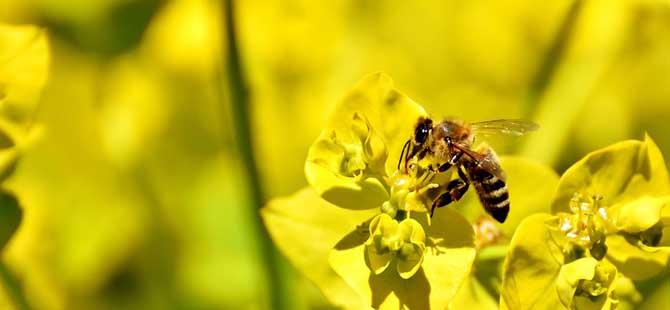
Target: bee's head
[[422, 131]]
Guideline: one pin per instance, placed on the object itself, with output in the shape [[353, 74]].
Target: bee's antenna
[[402, 154]]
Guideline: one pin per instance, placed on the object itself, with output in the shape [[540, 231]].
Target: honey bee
[[450, 144]]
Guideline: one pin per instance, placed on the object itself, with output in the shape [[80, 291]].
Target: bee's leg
[[423, 154], [444, 167], [455, 191], [456, 158]]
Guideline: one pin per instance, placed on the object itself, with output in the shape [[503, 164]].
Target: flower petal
[[392, 114], [635, 261], [408, 266], [322, 170], [377, 254], [413, 250], [378, 261], [531, 267], [361, 144], [570, 275], [641, 214], [305, 228], [620, 173]]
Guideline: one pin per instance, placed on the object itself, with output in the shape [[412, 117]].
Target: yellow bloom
[[389, 239], [609, 212], [390, 254]]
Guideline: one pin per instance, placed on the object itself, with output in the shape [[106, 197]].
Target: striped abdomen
[[492, 192]]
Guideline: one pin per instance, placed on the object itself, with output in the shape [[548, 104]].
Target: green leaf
[[532, 267], [620, 173], [447, 262], [305, 228], [10, 217]]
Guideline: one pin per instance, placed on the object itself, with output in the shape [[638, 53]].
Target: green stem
[[552, 57], [586, 47], [13, 288], [239, 97]]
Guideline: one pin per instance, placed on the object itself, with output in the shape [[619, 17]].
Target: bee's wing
[[509, 127], [489, 162], [485, 158]]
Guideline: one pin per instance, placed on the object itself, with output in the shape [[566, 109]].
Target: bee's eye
[[421, 133]]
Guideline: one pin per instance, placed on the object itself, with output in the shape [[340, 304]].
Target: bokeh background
[[141, 190]]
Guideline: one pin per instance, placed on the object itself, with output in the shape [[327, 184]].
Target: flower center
[[587, 226], [410, 192]]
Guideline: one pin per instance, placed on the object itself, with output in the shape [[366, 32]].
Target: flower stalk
[[239, 98]]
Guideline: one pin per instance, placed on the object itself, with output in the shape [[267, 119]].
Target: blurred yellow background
[[133, 188]]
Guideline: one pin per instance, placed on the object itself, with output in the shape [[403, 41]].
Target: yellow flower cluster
[[377, 246]]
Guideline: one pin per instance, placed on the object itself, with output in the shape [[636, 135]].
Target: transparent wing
[[489, 162], [485, 159], [509, 127]]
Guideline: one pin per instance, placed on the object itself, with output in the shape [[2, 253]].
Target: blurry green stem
[[13, 288], [239, 97], [553, 55], [585, 56]]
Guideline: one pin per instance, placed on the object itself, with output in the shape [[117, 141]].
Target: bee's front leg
[[454, 159], [455, 191]]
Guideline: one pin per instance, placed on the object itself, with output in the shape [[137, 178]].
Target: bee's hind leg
[[455, 191]]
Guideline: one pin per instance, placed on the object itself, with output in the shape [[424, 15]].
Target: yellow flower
[[609, 213], [531, 188], [372, 236], [390, 239]]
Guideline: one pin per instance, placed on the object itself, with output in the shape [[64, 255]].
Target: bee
[[450, 144]]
